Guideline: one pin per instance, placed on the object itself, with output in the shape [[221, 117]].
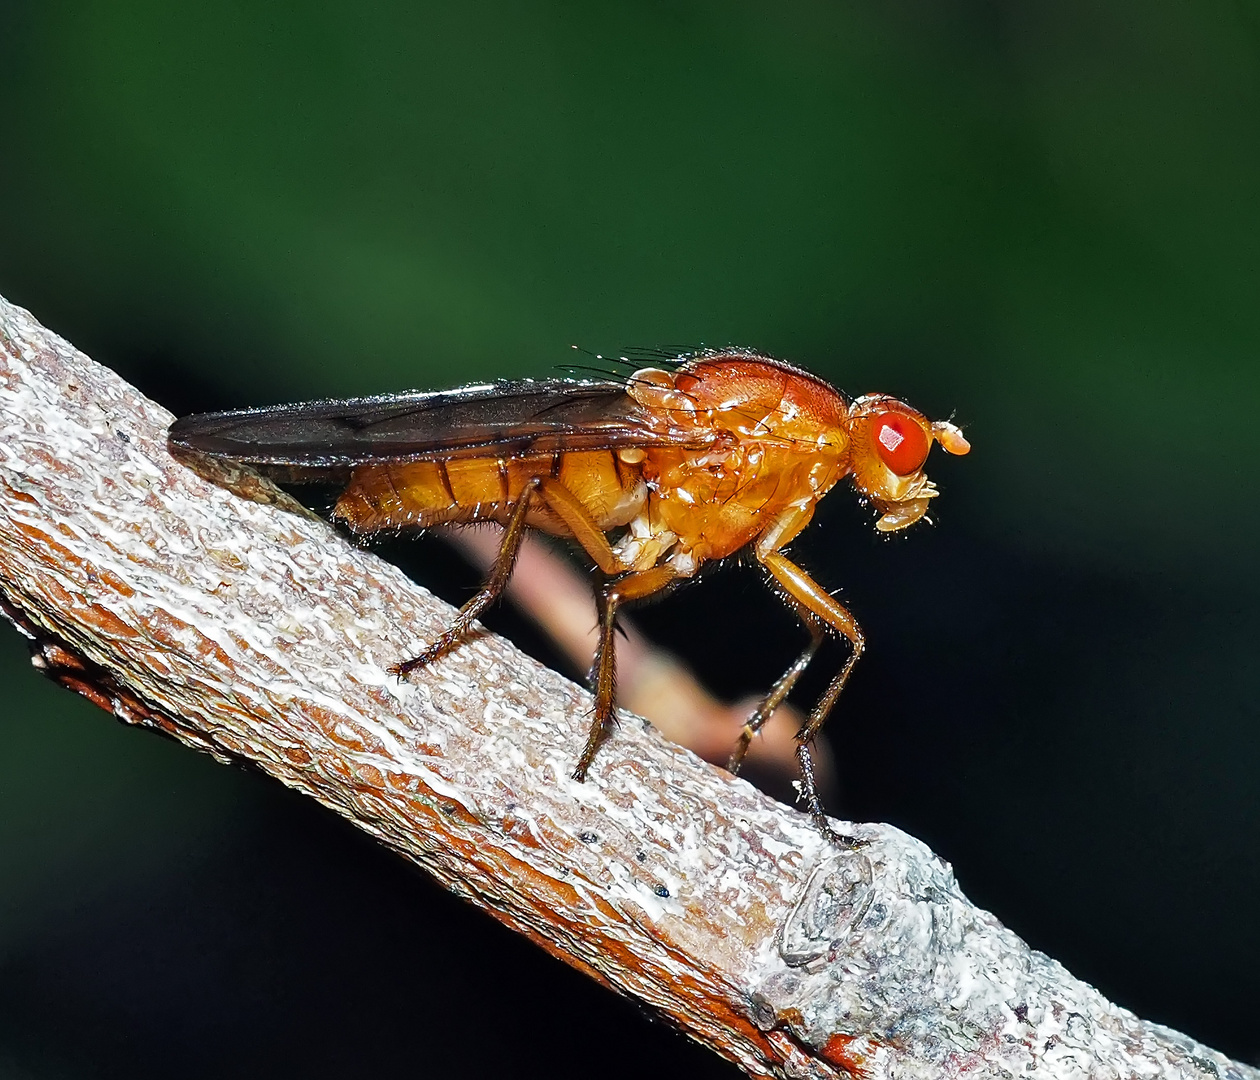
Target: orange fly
[[652, 476]]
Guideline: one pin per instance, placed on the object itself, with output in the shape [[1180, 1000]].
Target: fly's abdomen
[[421, 494]]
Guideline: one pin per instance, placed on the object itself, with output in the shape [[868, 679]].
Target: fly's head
[[890, 444]]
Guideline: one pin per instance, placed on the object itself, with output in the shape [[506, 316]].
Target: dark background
[[1042, 216]]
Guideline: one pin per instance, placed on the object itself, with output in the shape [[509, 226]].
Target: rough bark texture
[[247, 628]]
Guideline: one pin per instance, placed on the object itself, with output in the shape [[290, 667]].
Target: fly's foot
[[601, 728], [406, 667], [823, 824], [813, 804]]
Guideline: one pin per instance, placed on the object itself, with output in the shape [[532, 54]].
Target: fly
[[652, 477]]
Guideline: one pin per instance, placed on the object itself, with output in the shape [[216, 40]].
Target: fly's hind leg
[[806, 592], [566, 506], [513, 534], [629, 587], [779, 691]]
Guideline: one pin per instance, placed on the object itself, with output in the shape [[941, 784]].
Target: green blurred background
[[1040, 217]]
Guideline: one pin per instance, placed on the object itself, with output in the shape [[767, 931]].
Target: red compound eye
[[901, 442]]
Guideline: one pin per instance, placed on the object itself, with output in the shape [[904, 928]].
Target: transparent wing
[[501, 419]]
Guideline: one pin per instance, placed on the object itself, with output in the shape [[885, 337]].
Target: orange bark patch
[[840, 1051]]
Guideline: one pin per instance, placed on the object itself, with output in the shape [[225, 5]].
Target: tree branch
[[245, 627]]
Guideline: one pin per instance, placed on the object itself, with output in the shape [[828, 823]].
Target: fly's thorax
[[694, 476], [759, 386], [749, 411], [712, 503], [741, 395], [769, 440]]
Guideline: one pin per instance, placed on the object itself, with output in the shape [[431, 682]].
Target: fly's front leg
[[630, 587], [815, 599], [779, 691], [513, 534]]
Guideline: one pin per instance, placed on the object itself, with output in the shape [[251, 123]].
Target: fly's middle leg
[[629, 587]]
